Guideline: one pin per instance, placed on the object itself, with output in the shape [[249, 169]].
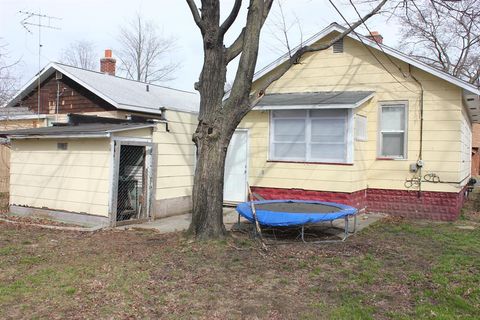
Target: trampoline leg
[[345, 236], [302, 233], [354, 224]]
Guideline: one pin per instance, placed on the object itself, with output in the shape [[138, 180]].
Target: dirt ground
[[394, 269]]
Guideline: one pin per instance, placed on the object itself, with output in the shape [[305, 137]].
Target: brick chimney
[[375, 36], [107, 64]]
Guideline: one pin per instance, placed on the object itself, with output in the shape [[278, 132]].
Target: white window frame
[[349, 139], [404, 131]]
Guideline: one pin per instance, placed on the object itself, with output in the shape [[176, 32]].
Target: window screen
[[314, 136], [393, 130], [360, 128]]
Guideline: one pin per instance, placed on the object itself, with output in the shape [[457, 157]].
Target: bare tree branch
[[443, 34], [196, 14], [231, 17], [236, 47], [144, 54], [8, 79], [80, 54], [280, 29]]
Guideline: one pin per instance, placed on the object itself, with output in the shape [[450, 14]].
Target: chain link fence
[[131, 183]]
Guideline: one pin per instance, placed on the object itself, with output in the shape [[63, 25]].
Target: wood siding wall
[[74, 98], [75, 180], [176, 155]]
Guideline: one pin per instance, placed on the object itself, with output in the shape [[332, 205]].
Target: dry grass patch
[[395, 269]]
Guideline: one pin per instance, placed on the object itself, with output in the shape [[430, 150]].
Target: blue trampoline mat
[[284, 213]]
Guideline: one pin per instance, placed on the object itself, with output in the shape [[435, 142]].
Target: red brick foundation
[[444, 206]]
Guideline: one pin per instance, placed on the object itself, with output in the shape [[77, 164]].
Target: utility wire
[[369, 49], [378, 44]]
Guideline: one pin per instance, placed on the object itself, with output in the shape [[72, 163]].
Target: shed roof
[[312, 100], [84, 130], [122, 93]]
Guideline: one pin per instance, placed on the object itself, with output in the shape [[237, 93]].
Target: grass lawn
[[393, 270]]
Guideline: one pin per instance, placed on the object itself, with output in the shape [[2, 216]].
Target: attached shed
[[87, 174]]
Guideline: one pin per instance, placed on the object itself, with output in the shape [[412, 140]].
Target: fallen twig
[[82, 229]]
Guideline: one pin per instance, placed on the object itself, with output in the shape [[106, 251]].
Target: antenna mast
[[41, 21]]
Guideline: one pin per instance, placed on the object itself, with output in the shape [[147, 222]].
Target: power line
[[378, 44], [368, 48], [27, 23]]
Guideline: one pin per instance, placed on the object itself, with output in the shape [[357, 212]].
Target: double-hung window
[[393, 129], [310, 135]]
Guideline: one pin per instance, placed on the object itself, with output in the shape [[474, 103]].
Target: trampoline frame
[[346, 229]]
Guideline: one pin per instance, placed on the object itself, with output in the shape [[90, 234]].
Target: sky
[[99, 22]]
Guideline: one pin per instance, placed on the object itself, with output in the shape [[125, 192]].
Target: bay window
[[321, 135]]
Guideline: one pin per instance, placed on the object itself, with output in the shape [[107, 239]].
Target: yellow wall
[[175, 155], [356, 69], [74, 180]]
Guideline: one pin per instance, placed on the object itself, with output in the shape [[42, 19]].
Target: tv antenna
[[41, 21]]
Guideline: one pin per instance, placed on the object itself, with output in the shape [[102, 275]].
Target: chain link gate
[[131, 198], [132, 182]]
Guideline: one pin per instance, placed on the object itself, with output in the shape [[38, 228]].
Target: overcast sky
[[99, 21]]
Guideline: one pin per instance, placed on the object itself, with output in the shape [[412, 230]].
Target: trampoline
[[297, 213]]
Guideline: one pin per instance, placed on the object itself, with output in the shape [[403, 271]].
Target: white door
[[235, 183]]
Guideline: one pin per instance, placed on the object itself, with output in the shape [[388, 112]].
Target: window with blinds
[[310, 135]]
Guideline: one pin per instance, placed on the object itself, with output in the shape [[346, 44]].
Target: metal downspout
[[421, 128]]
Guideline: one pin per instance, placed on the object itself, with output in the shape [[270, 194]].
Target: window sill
[[390, 158], [309, 162]]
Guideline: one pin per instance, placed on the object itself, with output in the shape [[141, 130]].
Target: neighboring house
[[476, 150], [350, 124], [128, 155]]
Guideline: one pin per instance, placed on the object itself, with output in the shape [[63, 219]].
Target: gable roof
[[123, 94], [335, 27]]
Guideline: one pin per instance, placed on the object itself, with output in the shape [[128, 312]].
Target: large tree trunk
[[209, 138], [208, 190]]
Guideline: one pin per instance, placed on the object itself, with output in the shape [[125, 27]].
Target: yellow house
[[361, 124]]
